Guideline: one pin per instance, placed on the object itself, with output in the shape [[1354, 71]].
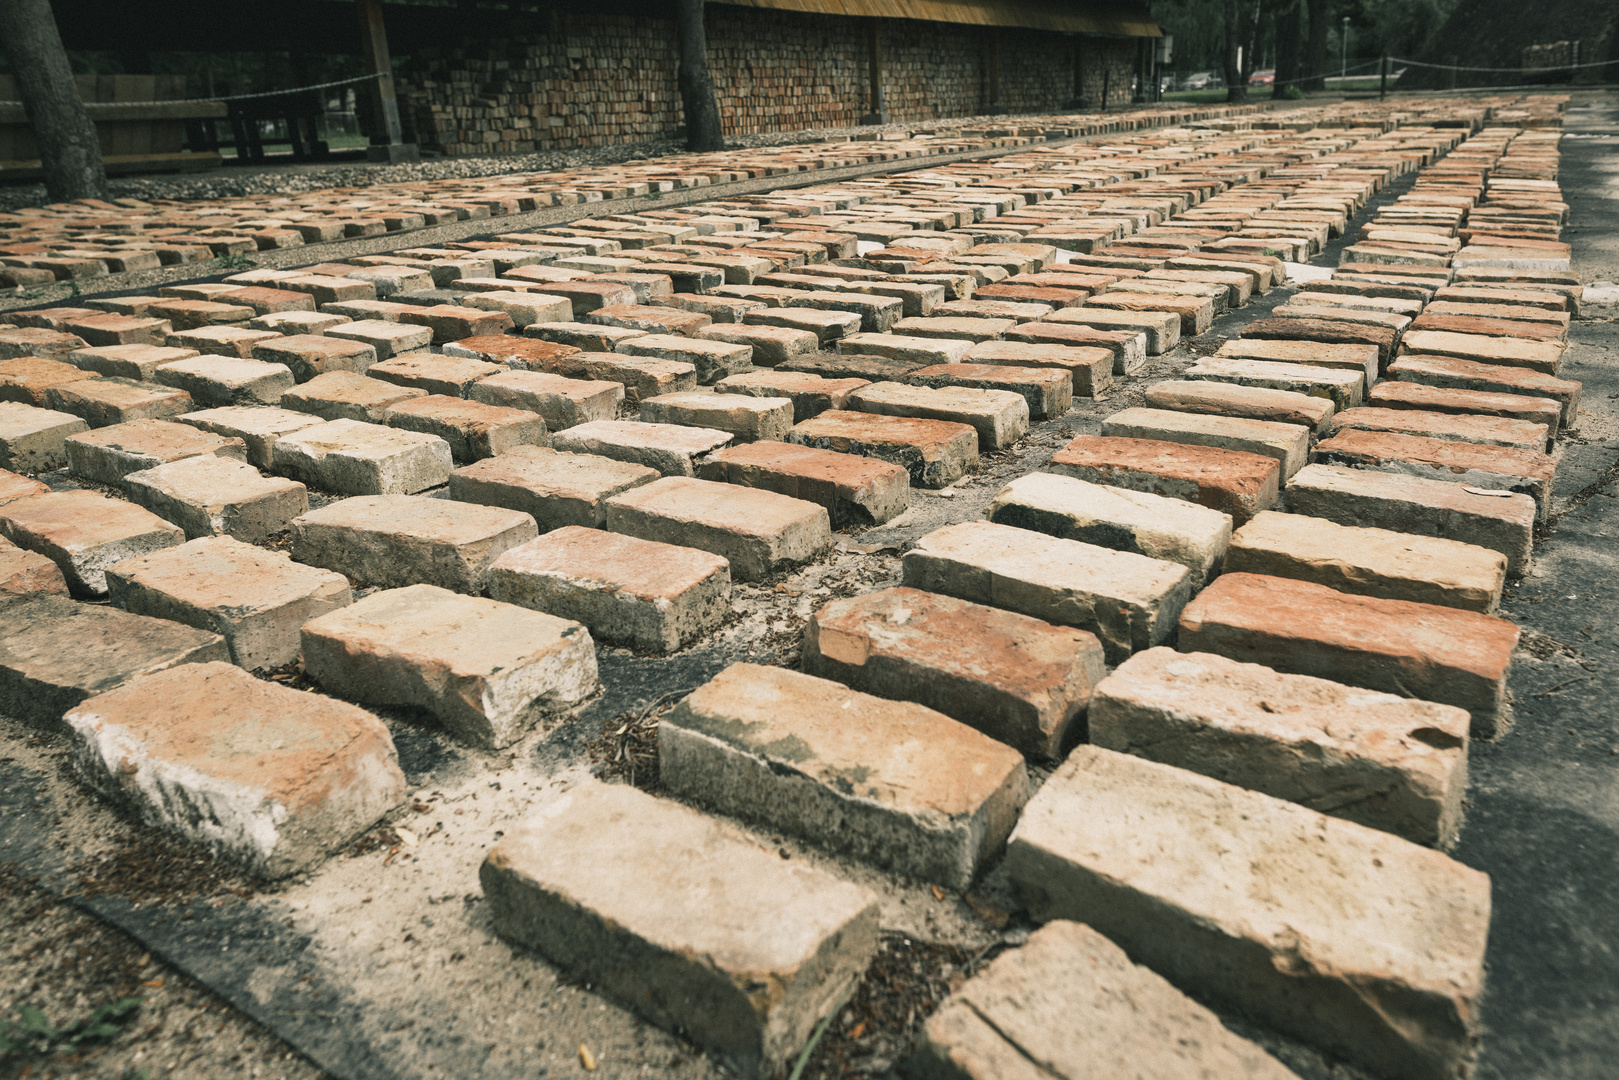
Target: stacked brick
[[595, 80], [1264, 609]]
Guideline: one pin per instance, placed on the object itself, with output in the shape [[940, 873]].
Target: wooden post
[[877, 115], [387, 144]]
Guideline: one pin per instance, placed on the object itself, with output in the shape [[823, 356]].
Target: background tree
[[69, 149], [1289, 25], [696, 83], [1236, 87], [1315, 54]]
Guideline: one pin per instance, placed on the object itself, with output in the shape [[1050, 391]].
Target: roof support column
[[994, 72], [877, 115], [387, 144]]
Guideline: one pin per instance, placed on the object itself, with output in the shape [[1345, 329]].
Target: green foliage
[[33, 1035], [235, 260], [1292, 93]]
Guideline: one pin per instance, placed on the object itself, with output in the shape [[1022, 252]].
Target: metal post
[[374, 48], [877, 115], [1383, 82], [1343, 54]]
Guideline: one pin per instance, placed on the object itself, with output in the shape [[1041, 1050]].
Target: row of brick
[[996, 646]]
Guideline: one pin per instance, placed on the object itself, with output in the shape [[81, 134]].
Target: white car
[[1199, 80]]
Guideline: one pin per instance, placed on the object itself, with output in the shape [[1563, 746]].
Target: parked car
[[1263, 77], [1198, 80]]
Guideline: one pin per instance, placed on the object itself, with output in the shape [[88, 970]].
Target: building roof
[[1128, 18]]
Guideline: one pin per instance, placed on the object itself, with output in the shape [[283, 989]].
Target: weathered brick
[[759, 532], [400, 540]]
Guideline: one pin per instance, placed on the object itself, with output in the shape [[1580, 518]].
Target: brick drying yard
[[1131, 590]]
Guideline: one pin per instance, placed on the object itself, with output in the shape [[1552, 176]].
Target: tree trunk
[[69, 149], [1315, 56], [1288, 26], [1236, 90], [696, 84]]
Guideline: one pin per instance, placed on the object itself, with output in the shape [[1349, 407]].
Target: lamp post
[[1343, 52]]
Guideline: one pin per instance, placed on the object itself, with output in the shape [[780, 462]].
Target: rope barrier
[[232, 97], [1518, 70]]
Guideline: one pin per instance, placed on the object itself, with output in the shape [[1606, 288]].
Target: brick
[[1118, 1020], [1153, 525], [999, 417], [28, 380], [1163, 328], [1454, 373], [1340, 388], [350, 457], [444, 375], [84, 533], [1485, 430], [1128, 601], [27, 573], [776, 746], [1048, 393], [655, 321], [55, 652], [811, 395], [1091, 368], [587, 296], [487, 671], [97, 330], [1503, 467], [195, 314], [759, 532], [954, 328], [1441, 654], [255, 599], [1261, 906], [865, 368], [106, 455], [714, 360], [1386, 762], [771, 345], [237, 341], [387, 339], [1542, 356], [906, 349], [649, 595], [271, 778], [827, 326], [330, 290], [216, 381], [556, 488], [1129, 347], [1231, 481], [297, 323], [586, 336], [1017, 679], [936, 453], [19, 341], [392, 279], [1418, 506], [524, 354], [1289, 444], [207, 495], [746, 418], [398, 540], [473, 429], [450, 323], [1326, 332], [268, 302], [310, 355], [366, 309], [33, 440], [560, 401], [138, 362], [257, 426], [691, 957], [104, 402], [1364, 359], [13, 486], [344, 395], [1228, 399], [672, 449], [1370, 561], [1542, 411], [852, 489]]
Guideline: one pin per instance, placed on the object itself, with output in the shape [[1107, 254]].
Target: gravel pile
[[275, 179]]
